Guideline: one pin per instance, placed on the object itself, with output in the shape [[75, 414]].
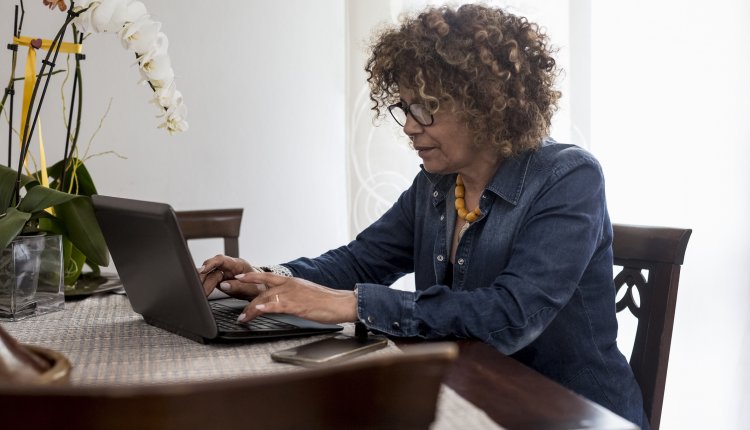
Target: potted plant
[[26, 254], [55, 200], [32, 207], [71, 216]]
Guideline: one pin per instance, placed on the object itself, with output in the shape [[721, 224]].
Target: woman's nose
[[411, 126]]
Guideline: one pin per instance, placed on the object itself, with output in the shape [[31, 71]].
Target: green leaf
[[96, 270], [83, 229], [40, 198], [51, 224], [8, 184], [74, 266], [85, 182], [11, 224], [67, 247]]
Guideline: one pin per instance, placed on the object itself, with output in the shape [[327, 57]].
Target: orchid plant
[[56, 199]]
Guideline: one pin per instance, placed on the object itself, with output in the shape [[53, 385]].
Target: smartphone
[[329, 350]]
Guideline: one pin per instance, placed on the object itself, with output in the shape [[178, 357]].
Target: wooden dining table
[[520, 398], [109, 343]]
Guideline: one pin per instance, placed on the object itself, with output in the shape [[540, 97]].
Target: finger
[[265, 303], [225, 263], [211, 279], [212, 263], [241, 290], [269, 279]]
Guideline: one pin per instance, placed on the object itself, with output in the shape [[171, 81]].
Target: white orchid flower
[[83, 21], [109, 17], [157, 68], [138, 36], [177, 101], [83, 4], [136, 10], [86, 3], [174, 119], [167, 96], [159, 47], [159, 84]]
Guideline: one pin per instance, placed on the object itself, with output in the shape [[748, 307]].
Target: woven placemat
[[109, 344]]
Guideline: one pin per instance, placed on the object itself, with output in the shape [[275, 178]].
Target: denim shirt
[[532, 276]]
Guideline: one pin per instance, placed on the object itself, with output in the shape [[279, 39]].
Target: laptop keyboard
[[226, 320]]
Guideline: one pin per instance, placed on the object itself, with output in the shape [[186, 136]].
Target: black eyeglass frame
[[407, 109]]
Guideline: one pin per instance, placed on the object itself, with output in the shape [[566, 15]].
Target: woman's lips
[[423, 151]]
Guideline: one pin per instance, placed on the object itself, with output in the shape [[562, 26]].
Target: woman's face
[[446, 145]]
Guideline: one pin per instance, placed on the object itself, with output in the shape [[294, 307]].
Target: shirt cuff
[[386, 310], [277, 269]]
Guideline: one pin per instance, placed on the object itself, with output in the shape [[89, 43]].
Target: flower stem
[[10, 89], [20, 23], [68, 153], [29, 127]]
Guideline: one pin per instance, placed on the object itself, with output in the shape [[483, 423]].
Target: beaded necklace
[[461, 204], [468, 216]]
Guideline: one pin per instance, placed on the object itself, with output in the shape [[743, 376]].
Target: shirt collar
[[441, 184], [507, 183], [510, 177]]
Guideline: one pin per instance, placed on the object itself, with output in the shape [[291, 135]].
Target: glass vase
[[31, 277]]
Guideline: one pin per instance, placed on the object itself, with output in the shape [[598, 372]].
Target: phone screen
[[329, 350]]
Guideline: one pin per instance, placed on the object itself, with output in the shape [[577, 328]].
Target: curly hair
[[494, 68]]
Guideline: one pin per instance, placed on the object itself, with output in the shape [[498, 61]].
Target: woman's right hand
[[220, 268]]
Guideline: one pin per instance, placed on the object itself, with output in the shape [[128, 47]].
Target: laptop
[[160, 279]]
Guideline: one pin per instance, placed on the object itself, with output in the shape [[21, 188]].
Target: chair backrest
[[213, 223], [661, 251], [394, 391]]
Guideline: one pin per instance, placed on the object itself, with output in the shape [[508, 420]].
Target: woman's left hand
[[293, 296]]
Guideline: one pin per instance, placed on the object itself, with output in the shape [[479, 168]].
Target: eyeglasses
[[419, 112]]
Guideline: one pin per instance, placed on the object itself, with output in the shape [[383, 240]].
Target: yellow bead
[[460, 203]]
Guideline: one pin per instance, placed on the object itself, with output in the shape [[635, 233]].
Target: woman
[[506, 231]]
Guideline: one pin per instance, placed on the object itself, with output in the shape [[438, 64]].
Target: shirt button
[[484, 196], [435, 194], [370, 319], [395, 325], [440, 258], [460, 261], [442, 217]]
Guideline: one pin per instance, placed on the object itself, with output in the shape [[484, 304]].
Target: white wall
[[668, 101], [263, 82]]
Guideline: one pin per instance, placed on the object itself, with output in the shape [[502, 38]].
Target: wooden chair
[[394, 391], [213, 223], [661, 251]]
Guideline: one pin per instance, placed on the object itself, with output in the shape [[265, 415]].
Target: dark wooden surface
[[519, 398]]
